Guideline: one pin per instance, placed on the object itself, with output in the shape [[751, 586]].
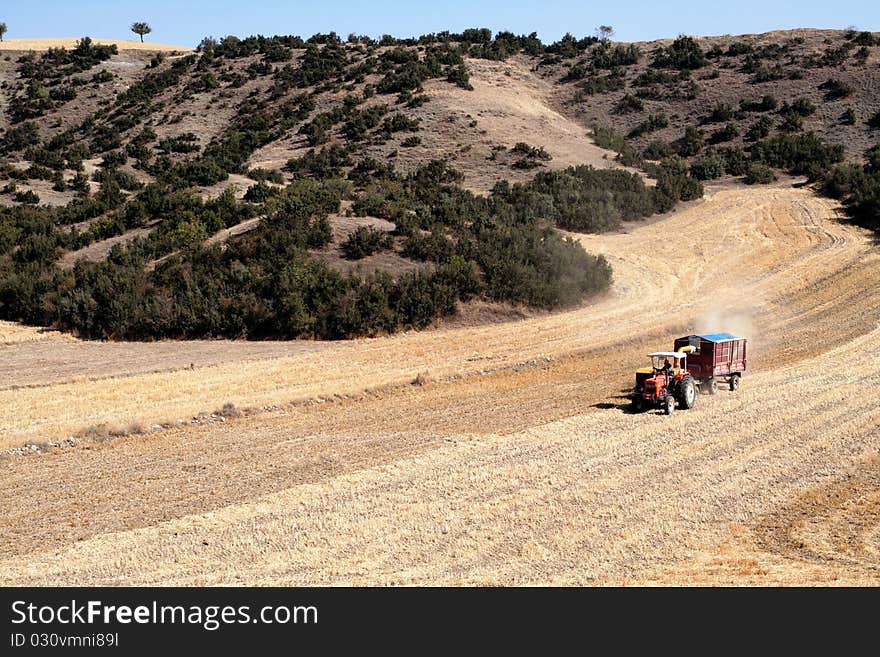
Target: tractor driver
[[667, 368]]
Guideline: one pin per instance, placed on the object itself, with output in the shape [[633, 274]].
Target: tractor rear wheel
[[669, 405], [734, 383], [687, 392], [711, 386]]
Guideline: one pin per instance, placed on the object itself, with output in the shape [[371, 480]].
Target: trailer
[[714, 356]]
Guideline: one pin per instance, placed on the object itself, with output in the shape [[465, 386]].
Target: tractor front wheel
[[734, 383], [687, 392], [669, 405]]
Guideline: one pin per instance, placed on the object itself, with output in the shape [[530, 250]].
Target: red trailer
[[714, 356]]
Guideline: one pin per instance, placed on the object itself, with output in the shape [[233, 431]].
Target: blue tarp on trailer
[[719, 337]]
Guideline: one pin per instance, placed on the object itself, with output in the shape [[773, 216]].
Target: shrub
[[19, 137], [767, 103], [320, 64], [673, 184], [792, 123], [600, 84], [577, 71], [28, 197], [835, 89], [654, 122], [798, 154], [365, 241], [60, 62], [691, 143], [707, 168], [834, 57], [757, 173], [202, 171], [726, 133], [857, 186], [657, 149], [610, 56], [260, 193], [759, 129], [629, 104], [434, 247], [720, 113], [800, 107], [866, 39], [531, 152], [360, 122], [769, 73], [270, 175], [399, 122], [738, 48], [684, 54], [582, 198], [185, 143], [459, 76], [325, 163], [80, 183], [734, 161]]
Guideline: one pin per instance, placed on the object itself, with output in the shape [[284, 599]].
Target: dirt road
[[517, 464]]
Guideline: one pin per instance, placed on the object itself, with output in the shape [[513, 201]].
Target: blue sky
[[185, 23]]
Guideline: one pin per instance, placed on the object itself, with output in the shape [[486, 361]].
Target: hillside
[[727, 85], [382, 170]]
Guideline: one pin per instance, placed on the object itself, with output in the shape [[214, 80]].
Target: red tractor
[[698, 362], [666, 382]]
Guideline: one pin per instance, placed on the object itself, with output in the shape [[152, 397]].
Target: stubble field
[[513, 462]]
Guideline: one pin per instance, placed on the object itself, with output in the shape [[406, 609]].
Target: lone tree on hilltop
[[604, 32], [141, 29], [3, 30]]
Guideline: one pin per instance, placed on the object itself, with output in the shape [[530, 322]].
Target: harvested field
[[514, 461]]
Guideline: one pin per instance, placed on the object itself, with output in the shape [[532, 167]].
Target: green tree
[[684, 54], [3, 30], [141, 28]]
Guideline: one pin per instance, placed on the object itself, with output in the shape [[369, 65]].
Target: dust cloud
[[740, 322]]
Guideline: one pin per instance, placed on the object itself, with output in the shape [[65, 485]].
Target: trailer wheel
[[687, 392], [669, 405], [734, 383], [711, 386]]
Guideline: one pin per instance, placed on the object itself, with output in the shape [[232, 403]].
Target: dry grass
[[122, 44], [97, 251], [826, 536], [12, 333], [524, 474], [509, 103]]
